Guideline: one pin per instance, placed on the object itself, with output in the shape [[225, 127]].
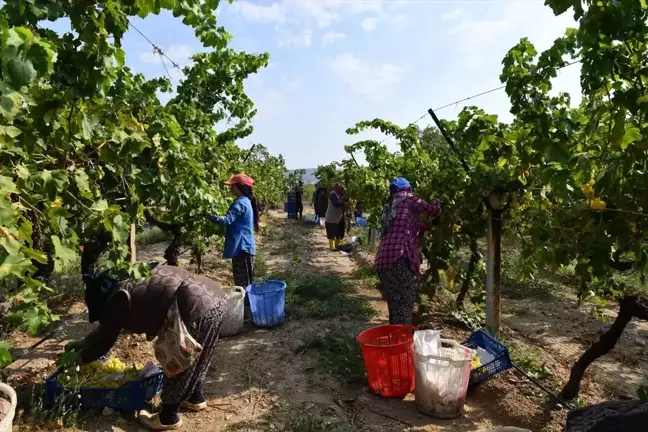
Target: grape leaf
[[20, 72]]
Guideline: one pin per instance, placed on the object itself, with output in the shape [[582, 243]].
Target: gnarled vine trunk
[[475, 258], [630, 307], [172, 252], [41, 242]]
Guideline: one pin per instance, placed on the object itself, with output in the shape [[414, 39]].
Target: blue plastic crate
[[501, 362], [132, 396], [361, 221], [267, 303]]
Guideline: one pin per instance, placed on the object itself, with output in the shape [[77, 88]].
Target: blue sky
[[336, 62]]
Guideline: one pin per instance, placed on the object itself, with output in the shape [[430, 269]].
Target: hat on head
[[401, 183], [242, 179]]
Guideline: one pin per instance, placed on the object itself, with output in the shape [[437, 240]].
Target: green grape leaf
[[9, 131], [82, 181], [14, 264], [20, 72], [5, 354], [63, 256], [100, 205]]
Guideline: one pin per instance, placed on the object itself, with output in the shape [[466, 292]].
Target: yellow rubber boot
[[337, 243], [332, 245]]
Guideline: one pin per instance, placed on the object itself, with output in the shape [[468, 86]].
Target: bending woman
[[142, 308], [397, 261], [240, 222]]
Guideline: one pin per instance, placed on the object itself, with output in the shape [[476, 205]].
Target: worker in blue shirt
[[240, 222]]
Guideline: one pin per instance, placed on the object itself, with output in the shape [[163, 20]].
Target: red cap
[[242, 179]]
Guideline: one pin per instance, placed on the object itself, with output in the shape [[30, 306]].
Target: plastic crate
[[267, 303], [131, 396], [501, 362]]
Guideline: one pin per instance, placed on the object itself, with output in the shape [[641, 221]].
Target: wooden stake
[[493, 264], [133, 251]]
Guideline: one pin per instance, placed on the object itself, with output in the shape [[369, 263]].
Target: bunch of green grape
[[92, 375]]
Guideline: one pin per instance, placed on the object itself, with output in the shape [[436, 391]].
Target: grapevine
[[571, 180], [87, 149]]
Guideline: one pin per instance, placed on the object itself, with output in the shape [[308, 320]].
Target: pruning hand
[[67, 360], [213, 217], [75, 345]]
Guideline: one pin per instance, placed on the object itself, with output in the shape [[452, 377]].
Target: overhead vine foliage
[[268, 172], [87, 149]]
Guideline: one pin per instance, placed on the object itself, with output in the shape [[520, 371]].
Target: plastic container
[[361, 221], [132, 396], [442, 380], [233, 321], [267, 303], [388, 359], [8, 409], [502, 360]]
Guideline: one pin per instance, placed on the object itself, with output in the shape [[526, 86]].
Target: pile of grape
[[109, 374]]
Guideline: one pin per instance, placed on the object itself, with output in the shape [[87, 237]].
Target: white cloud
[[481, 37], [368, 24], [332, 37], [318, 14], [288, 39], [375, 81], [258, 13], [452, 15]]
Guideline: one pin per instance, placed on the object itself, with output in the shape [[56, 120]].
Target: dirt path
[[264, 380]]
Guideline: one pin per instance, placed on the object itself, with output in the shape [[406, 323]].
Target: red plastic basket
[[388, 359]]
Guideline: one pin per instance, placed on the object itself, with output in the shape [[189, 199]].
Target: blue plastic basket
[[361, 221], [131, 396], [501, 362], [267, 303]]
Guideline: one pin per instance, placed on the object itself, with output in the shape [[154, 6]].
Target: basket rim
[[410, 328], [52, 379], [281, 287]]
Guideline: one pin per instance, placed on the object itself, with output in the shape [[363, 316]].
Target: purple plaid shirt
[[401, 239]]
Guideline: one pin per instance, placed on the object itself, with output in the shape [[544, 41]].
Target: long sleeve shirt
[[401, 240], [239, 228], [142, 307]]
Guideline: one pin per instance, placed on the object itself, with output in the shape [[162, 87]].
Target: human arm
[[433, 208], [235, 210], [113, 319], [336, 200]]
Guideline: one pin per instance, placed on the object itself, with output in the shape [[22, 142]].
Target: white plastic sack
[[233, 320], [484, 356]]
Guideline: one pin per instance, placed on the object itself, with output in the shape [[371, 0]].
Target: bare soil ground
[[264, 380]]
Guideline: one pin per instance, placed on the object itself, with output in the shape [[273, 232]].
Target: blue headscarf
[[399, 184]]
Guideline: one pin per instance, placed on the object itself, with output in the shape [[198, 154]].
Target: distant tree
[[294, 178]]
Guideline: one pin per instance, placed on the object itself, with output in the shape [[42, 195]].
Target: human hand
[[67, 360], [213, 217], [75, 345]]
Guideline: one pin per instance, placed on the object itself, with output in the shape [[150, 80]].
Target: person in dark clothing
[[335, 217], [142, 307], [299, 197], [320, 202]]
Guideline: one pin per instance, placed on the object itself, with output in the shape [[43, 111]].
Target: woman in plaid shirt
[[397, 261]]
